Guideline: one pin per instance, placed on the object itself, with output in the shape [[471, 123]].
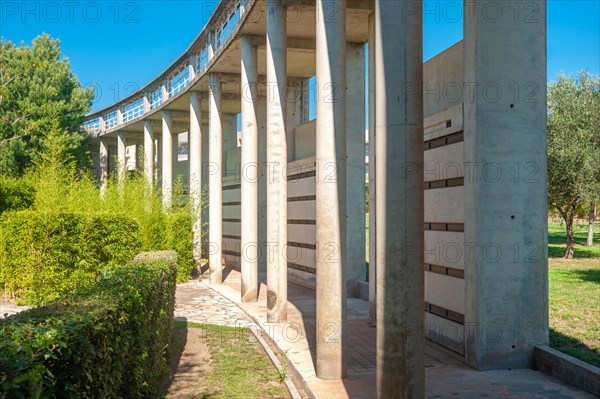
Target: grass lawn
[[215, 362], [574, 298], [574, 293]]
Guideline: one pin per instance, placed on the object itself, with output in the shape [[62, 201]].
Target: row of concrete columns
[[396, 165], [399, 131]]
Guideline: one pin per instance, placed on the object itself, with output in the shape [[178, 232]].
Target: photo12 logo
[[27, 12]]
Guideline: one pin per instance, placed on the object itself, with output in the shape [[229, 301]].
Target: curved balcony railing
[[210, 42]]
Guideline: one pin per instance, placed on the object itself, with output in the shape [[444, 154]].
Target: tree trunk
[[569, 223], [590, 238]]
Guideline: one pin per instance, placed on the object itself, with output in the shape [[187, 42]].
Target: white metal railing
[[133, 110], [93, 125], [156, 98], [202, 61], [111, 120], [179, 81], [223, 33]]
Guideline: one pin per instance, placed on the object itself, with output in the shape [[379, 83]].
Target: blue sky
[[123, 45]]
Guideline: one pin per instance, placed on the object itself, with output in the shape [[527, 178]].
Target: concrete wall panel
[[444, 162], [305, 140], [445, 205], [445, 291], [445, 248], [302, 210], [231, 212], [445, 332]]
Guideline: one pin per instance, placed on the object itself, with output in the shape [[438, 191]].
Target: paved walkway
[[9, 309], [197, 303], [446, 375]]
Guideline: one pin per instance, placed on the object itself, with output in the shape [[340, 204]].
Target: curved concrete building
[[457, 162]]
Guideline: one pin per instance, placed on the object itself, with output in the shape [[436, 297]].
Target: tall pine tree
[[39, 94]]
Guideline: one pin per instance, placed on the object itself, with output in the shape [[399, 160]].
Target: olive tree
[[573, 146]]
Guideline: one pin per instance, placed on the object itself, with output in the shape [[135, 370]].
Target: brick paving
[[446, 375]]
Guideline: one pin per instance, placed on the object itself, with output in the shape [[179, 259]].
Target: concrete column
[[121, 156], [250, 172], [205, 160], [215, 180], [165, 91], [149, 152], [211, 45], [229, 139], [192, 67], [400, 230], [261, 112], [205, 174], [506, 272], [159, 160], [331, 188], [305, 101], [294, 114], [146, 102], [372, 172], [355, 167], [103, 164], [277, 162], [167, 159], [195, 159]]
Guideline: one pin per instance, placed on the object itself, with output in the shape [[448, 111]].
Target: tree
[[573, 146], [38, 94], [591, 220]]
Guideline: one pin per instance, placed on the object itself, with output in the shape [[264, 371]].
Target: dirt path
[[190, 361]]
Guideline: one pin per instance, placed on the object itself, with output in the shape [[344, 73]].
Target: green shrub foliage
[[15, 195], [107, 341], [179, 238], [45, 255]]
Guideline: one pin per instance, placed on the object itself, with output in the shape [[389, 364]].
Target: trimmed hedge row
[[45, 256], [108, 341]]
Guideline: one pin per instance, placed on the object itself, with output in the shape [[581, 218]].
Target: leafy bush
[[179, 238], [15, 195], [107, 341], [45, 255]]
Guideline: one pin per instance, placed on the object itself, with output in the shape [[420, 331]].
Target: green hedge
[[108, 341], [15, 195], [45, 256]]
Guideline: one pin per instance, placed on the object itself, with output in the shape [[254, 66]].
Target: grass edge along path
[[238, 366]]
